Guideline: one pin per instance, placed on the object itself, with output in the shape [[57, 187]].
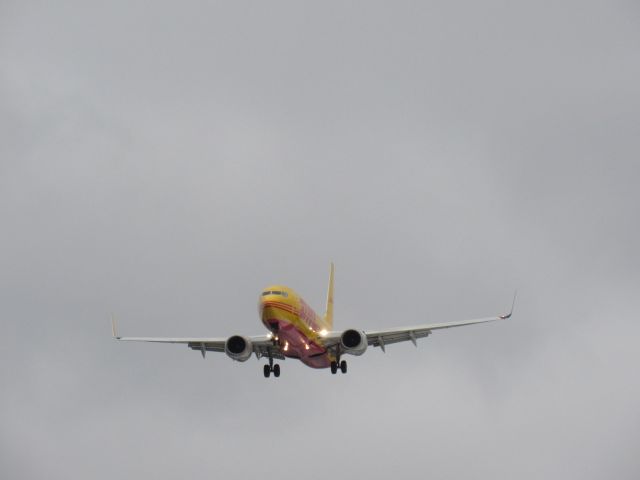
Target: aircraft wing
[[262, 345], [380, 338]]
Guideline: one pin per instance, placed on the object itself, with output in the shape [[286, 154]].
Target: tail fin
[[328, 315]]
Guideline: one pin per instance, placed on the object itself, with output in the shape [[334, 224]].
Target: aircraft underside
[[294, 344]]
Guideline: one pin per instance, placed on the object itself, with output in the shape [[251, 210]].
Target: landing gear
[[342, 366], [271, 368]]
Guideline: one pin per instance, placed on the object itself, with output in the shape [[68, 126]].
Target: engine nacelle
[[239, 348], [353, 342]]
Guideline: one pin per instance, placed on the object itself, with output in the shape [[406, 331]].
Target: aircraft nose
[[268, 316], [263, 305], [266, 310]]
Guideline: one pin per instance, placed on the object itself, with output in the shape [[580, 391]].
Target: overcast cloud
[[167, 160]]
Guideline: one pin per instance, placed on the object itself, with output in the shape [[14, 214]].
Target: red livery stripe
[[281, 306]]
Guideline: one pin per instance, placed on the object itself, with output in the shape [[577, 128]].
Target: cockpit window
[[275, 292]]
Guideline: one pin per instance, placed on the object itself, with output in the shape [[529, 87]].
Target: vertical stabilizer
[[328, 314]]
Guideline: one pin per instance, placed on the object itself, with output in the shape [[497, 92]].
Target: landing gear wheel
[[267, 371], [334, 368], [343, 366], [276, 370]]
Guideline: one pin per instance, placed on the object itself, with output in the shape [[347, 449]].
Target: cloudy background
[[167, 160]]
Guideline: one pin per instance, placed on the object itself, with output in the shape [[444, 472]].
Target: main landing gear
[[271, 368], [335, 365]]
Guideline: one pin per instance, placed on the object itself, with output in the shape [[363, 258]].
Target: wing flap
[[380, 339], [207, 346]]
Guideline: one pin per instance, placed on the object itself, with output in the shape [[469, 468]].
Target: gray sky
[[167, 160]]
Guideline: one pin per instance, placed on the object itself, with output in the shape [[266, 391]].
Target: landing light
[[306, 346], [323, 333]]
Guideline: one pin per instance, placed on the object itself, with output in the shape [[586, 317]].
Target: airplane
[[297, 332]]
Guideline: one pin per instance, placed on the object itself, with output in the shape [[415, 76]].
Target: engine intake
[[353, 342], [238, 348]]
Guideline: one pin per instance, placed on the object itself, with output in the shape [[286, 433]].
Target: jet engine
[[238, 348], [353, 342]]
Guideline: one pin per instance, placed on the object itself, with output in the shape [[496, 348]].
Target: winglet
[[114, 330], [513, 304]]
